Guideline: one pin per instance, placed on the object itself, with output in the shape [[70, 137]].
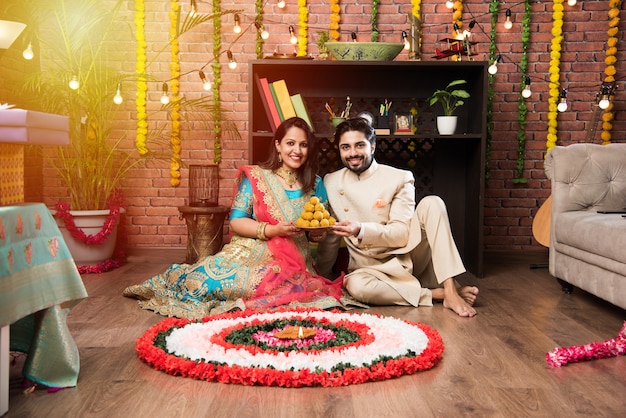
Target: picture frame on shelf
[[403, 124]]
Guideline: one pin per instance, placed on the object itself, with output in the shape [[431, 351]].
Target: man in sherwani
[[400, 254]]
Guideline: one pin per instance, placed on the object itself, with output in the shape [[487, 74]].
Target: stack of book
[[279, 104]]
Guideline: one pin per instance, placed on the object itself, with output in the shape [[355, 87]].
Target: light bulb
[[265, 34], [206, 84], [74, 84], [405, 38], [293, 38], [493, 68], [449, 4], [281, 4], [232, 64], [562, 106], [165, 98], [508, 24], [571, 2], [237, 26], [526, 93], [118, 99], [28, 53], [604, 103]]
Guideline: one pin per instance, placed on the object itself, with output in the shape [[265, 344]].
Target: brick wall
[[152, 215]]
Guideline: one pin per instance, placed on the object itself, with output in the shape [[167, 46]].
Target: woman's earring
[[280, 158]]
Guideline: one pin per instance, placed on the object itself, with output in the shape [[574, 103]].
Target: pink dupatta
[[287, 279]]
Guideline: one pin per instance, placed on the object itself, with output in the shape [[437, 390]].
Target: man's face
[[355, 151]]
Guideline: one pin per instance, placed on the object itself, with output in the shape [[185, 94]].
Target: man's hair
[[356, 124]]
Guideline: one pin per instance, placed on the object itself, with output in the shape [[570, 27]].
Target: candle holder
[[204, 185]]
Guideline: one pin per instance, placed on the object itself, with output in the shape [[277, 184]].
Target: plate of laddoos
[[315, 216]]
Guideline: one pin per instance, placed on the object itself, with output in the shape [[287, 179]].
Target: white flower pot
[[90, 222], [446, 125]]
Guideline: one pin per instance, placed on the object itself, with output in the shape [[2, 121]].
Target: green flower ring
[[239, 348]]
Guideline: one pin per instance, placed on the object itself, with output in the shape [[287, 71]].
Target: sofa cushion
[[602, 234]]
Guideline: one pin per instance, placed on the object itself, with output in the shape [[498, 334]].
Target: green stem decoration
[[493, 8], [259, 20], [523, 110], [375, 20], [217, 82]]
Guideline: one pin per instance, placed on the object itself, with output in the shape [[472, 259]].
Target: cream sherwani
[[399, 241]]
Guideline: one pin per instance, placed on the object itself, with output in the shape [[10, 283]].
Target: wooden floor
[[493, 365]]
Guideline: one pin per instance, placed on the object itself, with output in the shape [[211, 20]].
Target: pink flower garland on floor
[[614, 347]]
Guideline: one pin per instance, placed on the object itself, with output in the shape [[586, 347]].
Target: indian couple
[[400, 253]]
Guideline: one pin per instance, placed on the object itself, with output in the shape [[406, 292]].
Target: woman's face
[[293, 148]]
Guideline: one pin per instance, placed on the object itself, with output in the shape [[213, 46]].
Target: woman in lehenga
[[267, 263]]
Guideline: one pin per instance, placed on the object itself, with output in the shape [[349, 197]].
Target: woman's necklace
[[290, 177]]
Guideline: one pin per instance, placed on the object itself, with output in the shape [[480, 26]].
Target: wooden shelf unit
[[451, 167]]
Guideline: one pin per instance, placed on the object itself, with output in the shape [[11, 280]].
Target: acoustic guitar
[[541, 221]]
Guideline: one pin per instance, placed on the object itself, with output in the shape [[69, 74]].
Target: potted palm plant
[[450, 98], [80, 77]]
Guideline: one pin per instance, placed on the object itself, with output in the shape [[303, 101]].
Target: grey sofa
[[588, 248]]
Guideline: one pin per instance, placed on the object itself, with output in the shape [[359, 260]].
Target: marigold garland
[[375, 20], [610, 71], [522, 108], [142, 84], [303, 21], [416, 10], [335, 19], [175, 144], [555, 61], [457, 19]]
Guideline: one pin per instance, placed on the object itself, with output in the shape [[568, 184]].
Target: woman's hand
[[282, 229]]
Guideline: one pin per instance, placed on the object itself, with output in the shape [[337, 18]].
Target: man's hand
[[346, 228]]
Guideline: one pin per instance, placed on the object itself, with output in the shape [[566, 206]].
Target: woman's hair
[[307, 171], [356, 124]]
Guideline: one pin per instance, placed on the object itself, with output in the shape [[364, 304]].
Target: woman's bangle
[[260, 231]]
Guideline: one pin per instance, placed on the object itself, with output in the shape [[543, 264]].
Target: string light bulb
[[353, 36], [118, 99], [605, 101], [562, 106], [449, 4], [457, 31], [206, 84], [493, 68], [507, 23], [526, 92], [237, 26], [28, 53], [281, 4], [292, 36], [165, 97], [264, 33], [571, 2], [74, 84], [405, 39], [232, 64]]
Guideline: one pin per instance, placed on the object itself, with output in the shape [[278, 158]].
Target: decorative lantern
[[204, 185]]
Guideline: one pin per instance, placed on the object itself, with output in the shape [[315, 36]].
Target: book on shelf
[[271, 110], [301, 110], [283, 99], [382, 131], [280, 112]]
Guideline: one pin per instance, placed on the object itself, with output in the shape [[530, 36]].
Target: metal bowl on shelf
[[364, 51]]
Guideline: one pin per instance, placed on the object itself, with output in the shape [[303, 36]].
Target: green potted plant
[[450, 98], [77, 46]]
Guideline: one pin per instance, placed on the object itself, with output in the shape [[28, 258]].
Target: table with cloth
[[39, 283]]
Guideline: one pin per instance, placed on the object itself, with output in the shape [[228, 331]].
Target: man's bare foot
[[457, 304], [469, 294]]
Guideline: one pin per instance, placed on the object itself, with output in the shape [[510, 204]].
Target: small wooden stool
[[205, 227]]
